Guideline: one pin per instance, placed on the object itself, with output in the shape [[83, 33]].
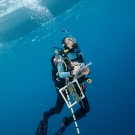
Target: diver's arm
[[64, 74], [61, 72]]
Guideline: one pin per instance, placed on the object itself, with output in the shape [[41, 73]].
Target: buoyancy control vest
[[62, 56]]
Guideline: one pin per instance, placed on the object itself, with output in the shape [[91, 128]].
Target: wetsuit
[[60, 82]]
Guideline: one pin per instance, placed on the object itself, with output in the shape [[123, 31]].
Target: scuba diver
[[65, 64]]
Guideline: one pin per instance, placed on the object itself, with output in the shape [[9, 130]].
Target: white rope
[[72, 111]]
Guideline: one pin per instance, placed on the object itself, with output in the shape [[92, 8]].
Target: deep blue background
[[105, 31]]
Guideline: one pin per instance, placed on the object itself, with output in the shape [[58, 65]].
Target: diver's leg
[[42, 128], [80, 113], [58, 106]]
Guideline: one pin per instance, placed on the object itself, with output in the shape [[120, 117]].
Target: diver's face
[[69, 43]]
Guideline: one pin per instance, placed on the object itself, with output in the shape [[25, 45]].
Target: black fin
[[42, 128]]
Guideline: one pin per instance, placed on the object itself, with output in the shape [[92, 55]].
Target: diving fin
[[63, 126], [42, 128], [60, 131]]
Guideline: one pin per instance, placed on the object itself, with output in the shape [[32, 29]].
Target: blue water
[[105, 32]]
